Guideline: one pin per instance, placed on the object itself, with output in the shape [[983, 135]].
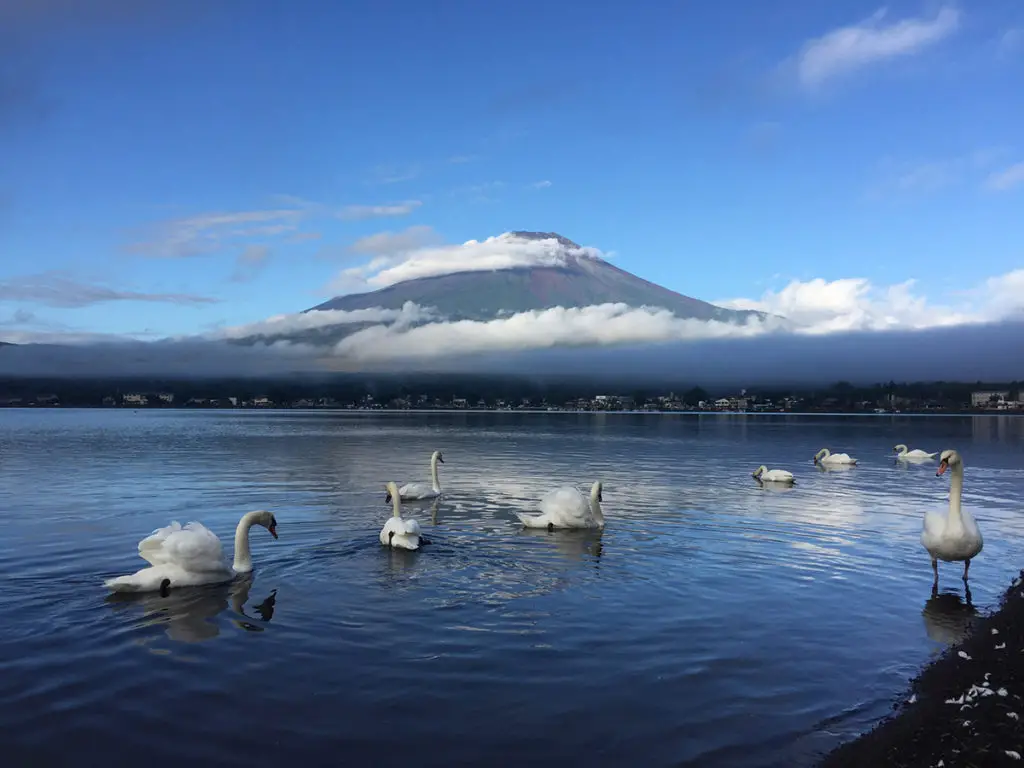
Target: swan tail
[[531, 521], [121, 584]]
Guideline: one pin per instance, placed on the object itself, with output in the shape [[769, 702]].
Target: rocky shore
[[965, 709]]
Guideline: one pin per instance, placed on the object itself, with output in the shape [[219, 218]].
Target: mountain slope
[[579, 281]]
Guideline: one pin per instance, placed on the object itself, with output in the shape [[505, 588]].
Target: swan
[[567, 507], [763, 474], [902, 453], [413, 491], [825, 456], [953, 536], [400, 532], [190, 555]]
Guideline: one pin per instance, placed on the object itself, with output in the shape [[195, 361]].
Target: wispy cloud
[[395, 243], [543, 184], [55, 289], [1006, 179], [392, 174], [290, 324], [250, 263], [359, 212], [913, 179], [212, 232], [462, 159], [848, 49], [1010, 43]]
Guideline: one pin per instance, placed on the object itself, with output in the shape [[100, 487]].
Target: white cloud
[[598, 325], [543, 184], [56, 289], [1010, 42], [848, 49], [359, 212], [284, 325], [1001, 181], [505, 251]]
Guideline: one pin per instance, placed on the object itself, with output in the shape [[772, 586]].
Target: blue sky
[[168, 170]]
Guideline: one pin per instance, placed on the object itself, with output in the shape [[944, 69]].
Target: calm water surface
[[713, 622]]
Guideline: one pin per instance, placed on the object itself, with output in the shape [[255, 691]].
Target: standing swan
[[399, 532], [566, 507], [413, 491], [190, 555], [953, 536], [825, 456], [764, 475], [902, 453]]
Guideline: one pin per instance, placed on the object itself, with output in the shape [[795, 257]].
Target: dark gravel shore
[[966, 708]]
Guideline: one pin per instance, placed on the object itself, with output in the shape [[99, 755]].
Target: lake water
[[713, 622]]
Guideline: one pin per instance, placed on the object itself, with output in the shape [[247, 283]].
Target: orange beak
[[943, 466], [273, 531]]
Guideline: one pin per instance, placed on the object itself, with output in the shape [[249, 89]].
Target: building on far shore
[[989, 398]]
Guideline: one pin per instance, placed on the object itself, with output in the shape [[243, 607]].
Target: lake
[[713, 623]]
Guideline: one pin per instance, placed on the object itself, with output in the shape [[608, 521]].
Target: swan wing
[[566, 507], [933, 529], [778, 475], [412, 527], [416, 491], [533, 521], [192, 547]]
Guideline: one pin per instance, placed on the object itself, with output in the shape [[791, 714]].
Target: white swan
[[902, 453], [825, 456], [953, 536], [763, 474], [567, 507], [413, 491], [190, 555], [398, 531]]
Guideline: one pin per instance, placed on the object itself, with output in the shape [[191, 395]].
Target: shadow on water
[[948, 617], [186, 613]]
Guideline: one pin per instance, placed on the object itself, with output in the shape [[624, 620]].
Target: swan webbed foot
[[424, 541], [391, 536], [551, 527], [165, 587]]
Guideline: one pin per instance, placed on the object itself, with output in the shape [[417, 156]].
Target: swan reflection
[[947, 617], [187, 613], [834, 467], [774, 487], [572, 543]]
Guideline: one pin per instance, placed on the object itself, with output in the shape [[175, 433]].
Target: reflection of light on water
[[186, 614]]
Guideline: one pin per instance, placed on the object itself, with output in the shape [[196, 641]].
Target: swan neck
[[396, 505], [595, 508], [956, 490], [433, 474], [243, 557]]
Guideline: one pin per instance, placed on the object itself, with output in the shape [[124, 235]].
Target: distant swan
[[413, 491], [567, 507], [763, 474], [190, 555], [953, 536], [399, 532], [902, 453], [825, 456]]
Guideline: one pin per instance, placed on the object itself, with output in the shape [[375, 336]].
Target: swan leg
[[935, 570], [551, 527], [165, 587], [391, 535], [967, 565]]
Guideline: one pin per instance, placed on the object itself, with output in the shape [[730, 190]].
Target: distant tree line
[[513, 390]]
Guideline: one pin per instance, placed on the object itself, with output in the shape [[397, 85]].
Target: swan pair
[[403, 532], [954, 536]]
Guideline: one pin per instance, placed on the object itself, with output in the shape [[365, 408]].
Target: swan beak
[[943, 466], [387, 499], [440, 460], [273, 530]]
